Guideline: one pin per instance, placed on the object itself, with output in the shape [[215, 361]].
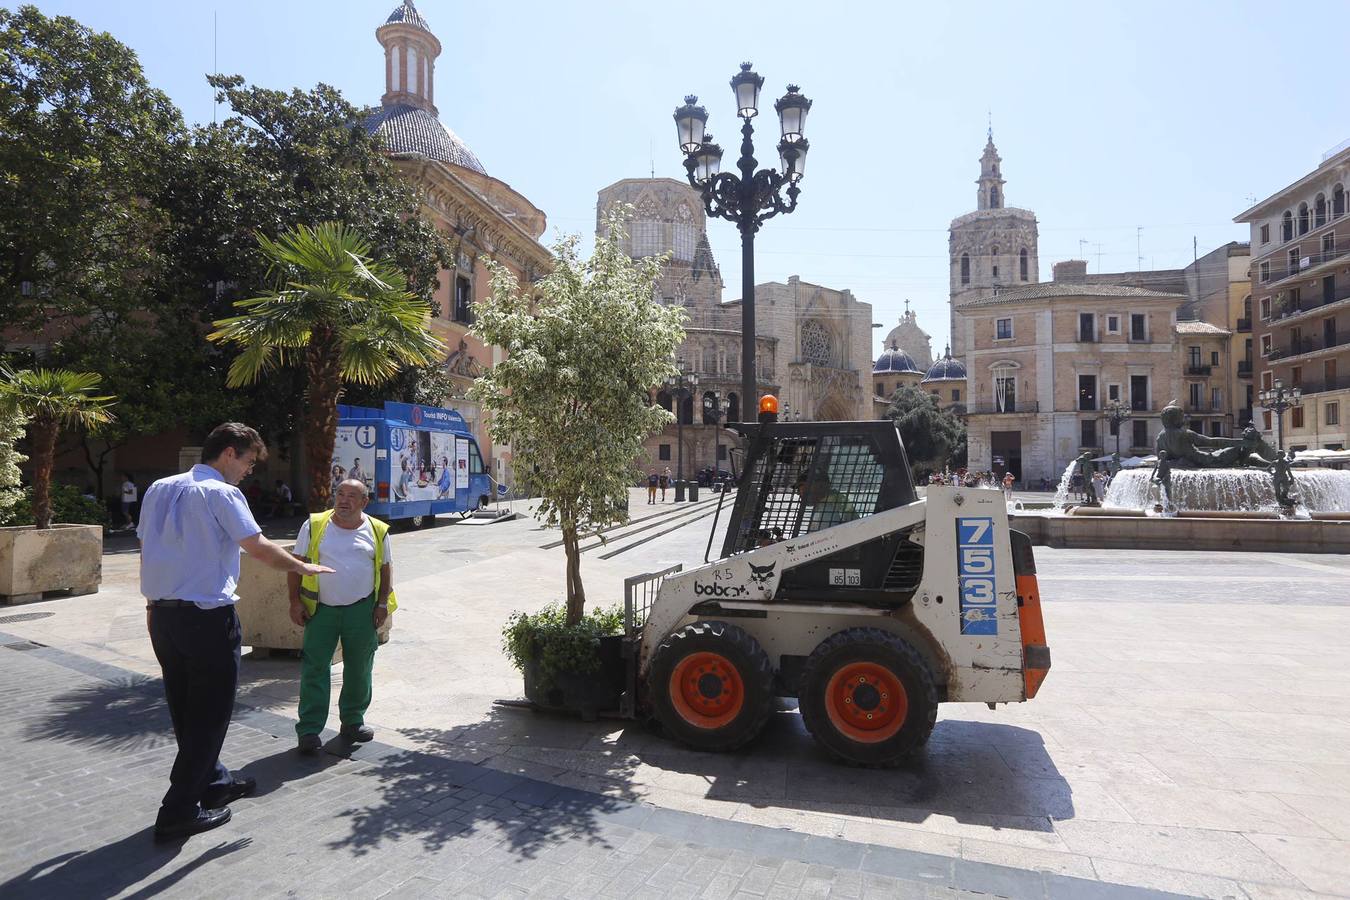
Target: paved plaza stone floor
[[1193, 737]]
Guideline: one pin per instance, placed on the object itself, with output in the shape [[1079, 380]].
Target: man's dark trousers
[[198, 652]]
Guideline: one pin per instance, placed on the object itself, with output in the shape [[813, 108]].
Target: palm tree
[[344, 315], [52, 399]]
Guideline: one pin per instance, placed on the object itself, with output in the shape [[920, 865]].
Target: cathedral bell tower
[[991, 180], [410, 51], [993, 248]]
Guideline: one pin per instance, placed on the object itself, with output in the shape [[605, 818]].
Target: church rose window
[[815, 343]]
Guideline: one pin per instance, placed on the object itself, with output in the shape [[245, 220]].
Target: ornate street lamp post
[[1117, 412], [1277, 400], [750, 198], [682, 385]]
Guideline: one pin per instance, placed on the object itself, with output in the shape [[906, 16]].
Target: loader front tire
[[868, 697], [711, 686]]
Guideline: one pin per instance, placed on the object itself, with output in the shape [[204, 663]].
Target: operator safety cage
[[416, 461]]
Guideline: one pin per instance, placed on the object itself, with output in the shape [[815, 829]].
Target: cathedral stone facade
[[812, 343]]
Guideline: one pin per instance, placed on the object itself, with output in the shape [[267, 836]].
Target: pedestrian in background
[[192, 528], [665, 483], [129, 497], [652, 480], [350, 605]]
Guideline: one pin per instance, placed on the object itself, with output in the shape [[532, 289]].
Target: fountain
[[1205, 493]]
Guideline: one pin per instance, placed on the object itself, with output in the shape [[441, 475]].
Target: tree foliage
[[342, 314], [933, 436], [571, 397], [11, 430], [84, 141]]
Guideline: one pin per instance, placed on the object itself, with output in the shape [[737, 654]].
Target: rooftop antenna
[[1139, 244], [651, 152], [1099, 257], [1081, 243]]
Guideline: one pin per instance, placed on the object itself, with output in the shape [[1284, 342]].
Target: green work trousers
[[355, 626]]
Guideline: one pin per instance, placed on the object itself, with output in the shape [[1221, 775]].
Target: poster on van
[[353, 456]]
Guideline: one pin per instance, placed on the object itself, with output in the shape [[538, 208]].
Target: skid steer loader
[[839, 586]]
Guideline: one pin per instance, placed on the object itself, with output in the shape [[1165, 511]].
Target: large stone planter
[[264, 609], [60, 558], [587, 693]]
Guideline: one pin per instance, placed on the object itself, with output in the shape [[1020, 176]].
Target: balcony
[[1309, 304], [1204, 408], [1244, 368], [1334, 383], [1007, 409], [1244, 417], [1196, 369], [1282, 273], [1308, 345], [1244, 325], [1143, 406]]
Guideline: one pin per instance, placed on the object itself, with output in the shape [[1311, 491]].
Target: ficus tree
[[583, 348], [933, 436]]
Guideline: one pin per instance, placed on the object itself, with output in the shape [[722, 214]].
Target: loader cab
[[802, 477]]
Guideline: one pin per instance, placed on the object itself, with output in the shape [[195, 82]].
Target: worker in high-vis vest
[[349, 605]]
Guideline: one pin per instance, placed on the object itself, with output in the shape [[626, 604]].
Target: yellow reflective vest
[[318, 524]]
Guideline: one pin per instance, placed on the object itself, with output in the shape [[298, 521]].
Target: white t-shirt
[[128, 492], [350, 552], [284, 494]]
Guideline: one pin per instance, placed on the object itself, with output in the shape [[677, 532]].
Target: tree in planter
[[933, 436], [343, 315], [571, 397], [52, 399]]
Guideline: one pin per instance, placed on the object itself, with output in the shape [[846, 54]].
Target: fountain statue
[[1283, 473], [1179, 447]]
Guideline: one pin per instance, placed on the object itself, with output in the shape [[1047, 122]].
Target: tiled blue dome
[[407, 14], [946, 369], [894, 360]]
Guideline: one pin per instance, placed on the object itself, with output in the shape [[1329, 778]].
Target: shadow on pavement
[[108, 871], [123, 715]]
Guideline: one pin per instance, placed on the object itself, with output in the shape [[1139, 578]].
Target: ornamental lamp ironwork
[[792, 108], [792, 159], [690, 122], [708, 161], [746, 84]]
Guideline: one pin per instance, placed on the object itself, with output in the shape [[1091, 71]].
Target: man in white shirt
[[350, 605]]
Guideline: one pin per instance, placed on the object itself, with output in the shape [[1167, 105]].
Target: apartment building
[[1300, 288]]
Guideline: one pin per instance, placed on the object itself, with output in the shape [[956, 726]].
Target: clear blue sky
[[1109, 115]]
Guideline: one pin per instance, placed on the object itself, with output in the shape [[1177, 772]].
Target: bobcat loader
[[839, 586]]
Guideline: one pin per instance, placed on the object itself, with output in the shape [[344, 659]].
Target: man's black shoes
[[205, 820], [357, 734], [309, 744], [239, 787]]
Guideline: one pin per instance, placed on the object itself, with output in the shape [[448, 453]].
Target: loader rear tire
[[868, 697], [711, 686]]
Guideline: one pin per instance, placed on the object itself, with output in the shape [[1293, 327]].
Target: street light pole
[[712, 405], [751, 198], [1277, 400], [683, 384], [1117, 412]]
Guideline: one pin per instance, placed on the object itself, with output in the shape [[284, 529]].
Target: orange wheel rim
[[707, 690], [866, 702]]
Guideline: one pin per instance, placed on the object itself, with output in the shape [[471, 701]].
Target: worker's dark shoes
[[240, 787], [310, 743], [357, 734], [205, 820]]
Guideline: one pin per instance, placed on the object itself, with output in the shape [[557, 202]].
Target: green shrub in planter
[[69, 506], [557, 648]]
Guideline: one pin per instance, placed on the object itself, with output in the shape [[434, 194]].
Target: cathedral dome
[[895, 360], [946, 369], [413, 130]]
